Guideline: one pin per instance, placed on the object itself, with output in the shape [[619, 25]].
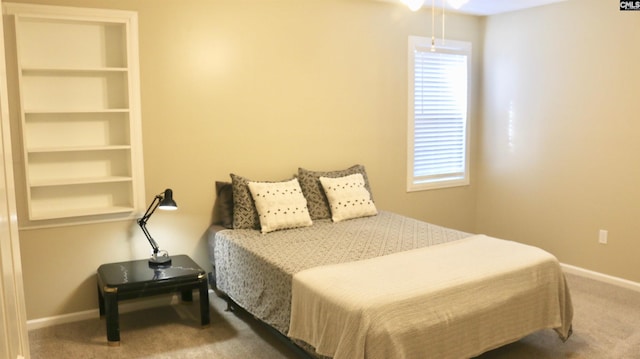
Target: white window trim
[[424, 43]]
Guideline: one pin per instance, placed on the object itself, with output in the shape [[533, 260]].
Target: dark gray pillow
[[223, 205], [317, 201], [245, 215]]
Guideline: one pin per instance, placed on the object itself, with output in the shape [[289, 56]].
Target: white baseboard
[[123, 307], [620, 282]]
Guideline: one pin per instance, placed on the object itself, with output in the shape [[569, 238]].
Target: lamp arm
[[142, 222]]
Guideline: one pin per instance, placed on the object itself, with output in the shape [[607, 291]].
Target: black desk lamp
[[163, 201]]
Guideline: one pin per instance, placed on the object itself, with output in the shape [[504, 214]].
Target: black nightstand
[[135, 279]]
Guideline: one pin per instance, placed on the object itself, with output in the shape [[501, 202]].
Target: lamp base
[[159, 261]]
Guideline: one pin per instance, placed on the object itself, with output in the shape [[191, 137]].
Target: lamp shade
[[167, 203]]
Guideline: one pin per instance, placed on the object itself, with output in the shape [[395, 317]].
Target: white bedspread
[[453, 300]]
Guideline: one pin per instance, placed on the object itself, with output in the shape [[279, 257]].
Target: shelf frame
[[75, 70]]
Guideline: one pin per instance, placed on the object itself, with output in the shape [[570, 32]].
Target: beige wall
[[255, 87], [260, 87], [560, 133]]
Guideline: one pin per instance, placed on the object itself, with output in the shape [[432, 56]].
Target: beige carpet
[[606, 325]]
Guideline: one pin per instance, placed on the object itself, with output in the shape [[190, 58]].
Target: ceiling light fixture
[[414, 5], [457, 4]]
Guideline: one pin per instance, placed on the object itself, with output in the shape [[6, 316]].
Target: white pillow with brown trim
[[348, 197], [280, 205]]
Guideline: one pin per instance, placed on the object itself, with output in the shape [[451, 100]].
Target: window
[[437, 130]]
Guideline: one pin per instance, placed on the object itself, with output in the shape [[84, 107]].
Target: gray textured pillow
[[245, 215], [223, 206], [312, 188]]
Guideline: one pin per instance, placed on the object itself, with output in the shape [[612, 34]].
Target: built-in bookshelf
[[77, 90]]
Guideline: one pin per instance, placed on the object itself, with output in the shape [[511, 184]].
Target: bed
[[387, 286]]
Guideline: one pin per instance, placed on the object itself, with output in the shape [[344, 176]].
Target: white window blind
[[438, 138]]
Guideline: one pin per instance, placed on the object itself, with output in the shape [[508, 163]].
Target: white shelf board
[[79, 181], [78, 149], [45, 214]]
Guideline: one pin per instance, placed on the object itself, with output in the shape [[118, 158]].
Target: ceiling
[[489, 7]]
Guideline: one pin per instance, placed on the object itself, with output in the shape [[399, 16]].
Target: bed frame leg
[[229, 307]]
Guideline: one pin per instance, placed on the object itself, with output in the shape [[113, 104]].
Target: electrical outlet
[[602, 238]]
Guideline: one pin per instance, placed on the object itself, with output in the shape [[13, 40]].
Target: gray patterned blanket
[[255, 270]]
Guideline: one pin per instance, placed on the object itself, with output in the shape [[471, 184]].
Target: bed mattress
[[256, 271]]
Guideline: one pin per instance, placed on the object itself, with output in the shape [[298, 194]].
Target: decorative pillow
[[245, 215], [313, 192], [348, 197], [223, 206], [280, 205]]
